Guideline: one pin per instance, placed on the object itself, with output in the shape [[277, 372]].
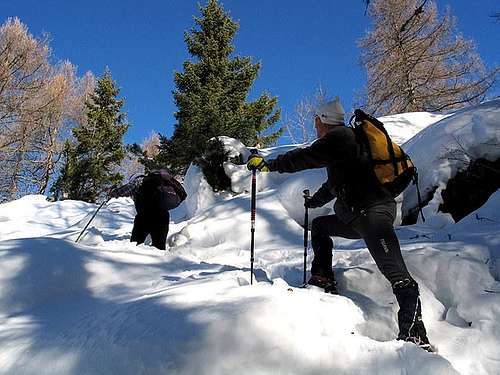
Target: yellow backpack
[[392, 166]]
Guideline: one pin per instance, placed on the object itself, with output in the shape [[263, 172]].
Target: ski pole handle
[[306, 193]]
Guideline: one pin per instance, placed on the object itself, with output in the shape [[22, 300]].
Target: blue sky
[[301, 44]]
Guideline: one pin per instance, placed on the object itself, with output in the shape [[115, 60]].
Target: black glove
[[311, 202]]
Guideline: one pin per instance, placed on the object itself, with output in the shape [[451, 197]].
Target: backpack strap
[[363, 143], [390, 146], [403, 159], [419, 197], [361, 115]]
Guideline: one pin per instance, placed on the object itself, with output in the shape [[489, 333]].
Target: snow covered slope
[[404, 126], [107, 306]]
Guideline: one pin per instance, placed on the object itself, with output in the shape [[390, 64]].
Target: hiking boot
[[411, 325], [327, 283]]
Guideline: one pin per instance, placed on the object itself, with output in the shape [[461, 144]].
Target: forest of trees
[[62, 134]]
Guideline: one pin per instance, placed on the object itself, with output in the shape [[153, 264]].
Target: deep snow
[[107, 306]]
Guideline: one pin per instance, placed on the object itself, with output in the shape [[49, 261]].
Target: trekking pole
[[306, 232], [252, 218], [92, 218]]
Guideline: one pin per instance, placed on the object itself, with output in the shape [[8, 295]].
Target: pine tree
[[417, 61], [91, 161], [212, 91]]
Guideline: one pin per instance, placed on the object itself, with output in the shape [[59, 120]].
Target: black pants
[[375, 226], [155, 225]]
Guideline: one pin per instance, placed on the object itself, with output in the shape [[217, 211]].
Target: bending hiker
[[363, 209], [154, 195]]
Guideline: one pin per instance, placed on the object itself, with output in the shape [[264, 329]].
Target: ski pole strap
[[253, 194], [419, 197], [306, 234], [253, 198], [253, 210]]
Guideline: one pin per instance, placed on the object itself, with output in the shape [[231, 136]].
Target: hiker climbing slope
[[364, 209], [154, 195]]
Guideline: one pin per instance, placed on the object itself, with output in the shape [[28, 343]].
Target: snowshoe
[[329, 285]]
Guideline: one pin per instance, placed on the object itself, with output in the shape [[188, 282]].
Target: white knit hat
[[331, 113]]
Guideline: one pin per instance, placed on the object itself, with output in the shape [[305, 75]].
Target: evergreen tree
[[91, 161], [417, 61], [212, 91]]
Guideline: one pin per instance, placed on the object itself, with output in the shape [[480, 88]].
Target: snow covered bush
[[448, 147], [212, 165]]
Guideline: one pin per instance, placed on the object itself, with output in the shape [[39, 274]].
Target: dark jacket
[[156, 192], [350, 175]]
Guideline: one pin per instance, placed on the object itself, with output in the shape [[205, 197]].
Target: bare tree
[[134, 162], [83, 90], [54, 125], [300, 126], [38, 102], [151, 144], [23, 70], [416, 61]]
